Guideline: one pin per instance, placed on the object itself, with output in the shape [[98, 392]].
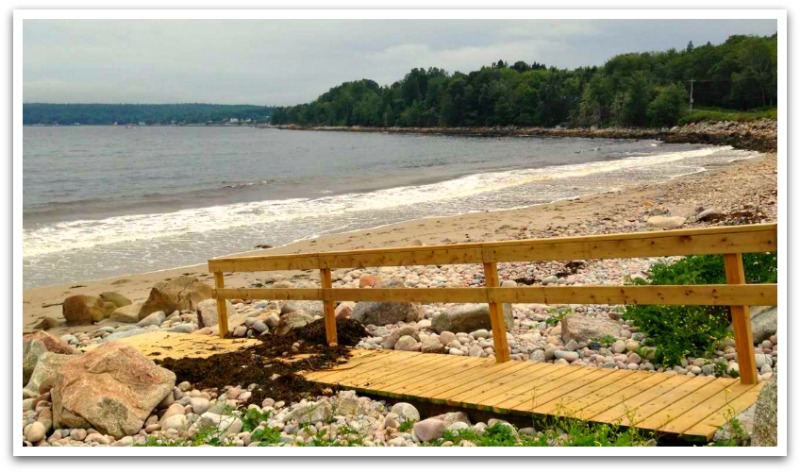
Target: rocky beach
[[83, 382]]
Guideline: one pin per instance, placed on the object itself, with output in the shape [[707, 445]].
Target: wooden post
[[222, 307], [742, 331], [327, 304], [501, 352]]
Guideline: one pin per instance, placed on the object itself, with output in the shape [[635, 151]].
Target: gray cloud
[[283, 62]]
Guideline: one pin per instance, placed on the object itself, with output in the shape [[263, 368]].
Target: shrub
[[681, 331]]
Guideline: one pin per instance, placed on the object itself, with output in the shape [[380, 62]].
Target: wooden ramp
[[678, 404]]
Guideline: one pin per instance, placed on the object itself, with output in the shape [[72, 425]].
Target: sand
[[744, 184]]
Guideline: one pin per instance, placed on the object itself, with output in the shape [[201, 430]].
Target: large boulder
[[309, 307], [34, 345], [207, 314], [385, 313], [469, 317], [181, 293], [763, 322], [293, 321], [45, 374], [765, 419], [113, 389], [129, 314], [115, 298], [582, 329], [86, 310]]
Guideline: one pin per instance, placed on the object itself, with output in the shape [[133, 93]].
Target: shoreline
[[759, 135], [732, 184]]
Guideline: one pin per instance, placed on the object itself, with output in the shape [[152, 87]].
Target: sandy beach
[[749, 185]]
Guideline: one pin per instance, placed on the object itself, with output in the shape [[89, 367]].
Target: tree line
[[631, 90], [149, 114]]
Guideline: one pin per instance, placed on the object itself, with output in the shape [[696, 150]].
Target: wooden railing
[[730, 241]]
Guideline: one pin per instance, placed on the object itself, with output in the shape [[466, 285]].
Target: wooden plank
[[628, 406], [473, 399], [733, 239], [348, 371], [603, 395], [535, 375], [696, 414], [272, 294], [446, 376], [352, 365], [222, 307], [669, 413], [709, 294], [742, 330], [710, 424], [541, 393], [617, 397], [649, 408], [328, 307], [475, 378], [638, 246], [394, 382], [560, 402], [501, 351], [395, 368]]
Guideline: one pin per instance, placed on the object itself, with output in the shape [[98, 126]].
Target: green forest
[[631, 90], [123, 114]]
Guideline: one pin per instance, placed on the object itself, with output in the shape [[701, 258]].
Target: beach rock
[[390, 340], [45, 374], [115, 298], [46, 323], [385, 313], [344, 310], [405, 411], [582, 329], [763, 322], [156, 319], [293, 321], [368, 280], [309, 307], [665, 222], [35, 432], [311, 412], [113, 388], [85, 310], [407, 343], [450, 418], [765, 419], [432, 344], [207, 315], [129, 314], [468, 318], [34, 345], [429, 429], [272, 320], [181, 293]]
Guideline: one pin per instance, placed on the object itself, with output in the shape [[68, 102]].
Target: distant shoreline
[[760, 135]]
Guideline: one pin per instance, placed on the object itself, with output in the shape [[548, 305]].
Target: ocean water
[[107, 201]]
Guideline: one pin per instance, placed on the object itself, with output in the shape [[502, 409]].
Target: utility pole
[[691, 94]]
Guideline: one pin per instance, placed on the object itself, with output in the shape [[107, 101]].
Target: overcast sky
[[284, 62]]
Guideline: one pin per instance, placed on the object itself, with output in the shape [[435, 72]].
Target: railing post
[[222, 307], [501, 352], [327, 304], [742, 330]]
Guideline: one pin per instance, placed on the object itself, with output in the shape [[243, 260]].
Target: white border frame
[[19, 16]]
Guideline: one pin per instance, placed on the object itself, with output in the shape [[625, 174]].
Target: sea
[[103, 201]]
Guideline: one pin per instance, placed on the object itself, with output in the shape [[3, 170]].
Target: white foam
[[82, 234]]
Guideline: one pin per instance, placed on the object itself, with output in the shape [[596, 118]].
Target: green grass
[[720, 115]]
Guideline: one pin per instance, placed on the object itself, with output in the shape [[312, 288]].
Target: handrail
[[731, 241]]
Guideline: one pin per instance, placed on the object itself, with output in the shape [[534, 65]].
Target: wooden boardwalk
[[678, 404]]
